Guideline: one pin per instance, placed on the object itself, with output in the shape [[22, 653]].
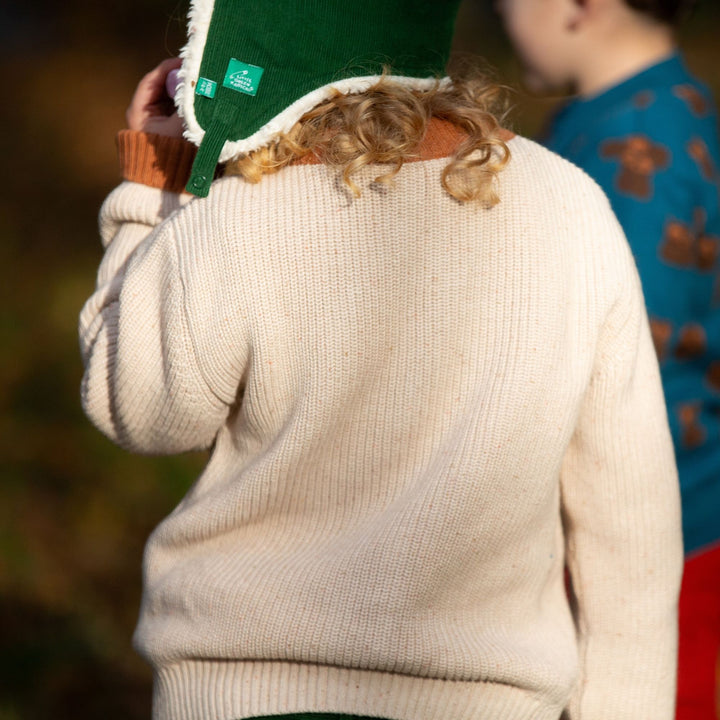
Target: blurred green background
[[75, 511]]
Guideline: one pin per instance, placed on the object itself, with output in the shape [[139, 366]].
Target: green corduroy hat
[[252, 68]]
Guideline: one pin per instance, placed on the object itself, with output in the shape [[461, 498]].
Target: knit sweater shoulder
[[419, 413]]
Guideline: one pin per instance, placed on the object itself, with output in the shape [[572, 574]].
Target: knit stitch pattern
[[419, 412]]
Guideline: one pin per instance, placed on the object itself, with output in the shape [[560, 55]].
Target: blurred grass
[[76, 510]]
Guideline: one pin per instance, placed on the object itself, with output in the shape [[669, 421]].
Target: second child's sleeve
[[143, 385], [621, 512]]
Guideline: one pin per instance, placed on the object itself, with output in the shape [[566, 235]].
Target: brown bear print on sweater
[[713, 376], [640, 159], [698, 151], [691, 342], [693, 433], [693, 98], [661, 331], [678, 246], [708, 251], [687, 246], [644, 99]]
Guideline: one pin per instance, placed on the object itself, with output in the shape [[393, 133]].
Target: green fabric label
[[242, 77], [206, 88]]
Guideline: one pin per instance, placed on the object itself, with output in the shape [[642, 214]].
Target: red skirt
[[698, 666]]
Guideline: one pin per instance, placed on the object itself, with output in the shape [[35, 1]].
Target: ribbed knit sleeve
[[621, 514], [142, 385]]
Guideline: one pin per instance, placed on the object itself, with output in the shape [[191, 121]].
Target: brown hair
[[386, 124], [667, 11]]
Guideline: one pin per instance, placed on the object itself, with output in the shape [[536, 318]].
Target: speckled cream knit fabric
[[419, 411]]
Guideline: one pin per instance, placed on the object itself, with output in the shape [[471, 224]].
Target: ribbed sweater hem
[[212, 690]]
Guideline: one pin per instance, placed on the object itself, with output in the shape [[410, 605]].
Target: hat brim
[[199, 18]]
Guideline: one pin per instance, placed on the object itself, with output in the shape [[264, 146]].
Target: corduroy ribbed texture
[[351, 46], [419, 412]]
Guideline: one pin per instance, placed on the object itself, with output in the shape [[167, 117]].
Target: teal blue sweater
[[651, 142]]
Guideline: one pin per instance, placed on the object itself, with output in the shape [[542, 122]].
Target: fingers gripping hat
[[252, 68]]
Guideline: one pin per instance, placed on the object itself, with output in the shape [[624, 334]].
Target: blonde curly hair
[[386, 124]]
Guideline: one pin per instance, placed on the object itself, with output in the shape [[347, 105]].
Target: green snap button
[[198, 181]]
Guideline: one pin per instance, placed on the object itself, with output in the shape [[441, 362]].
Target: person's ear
[[577, 12]]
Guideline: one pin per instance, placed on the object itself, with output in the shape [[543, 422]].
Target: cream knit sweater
[[419, 412]]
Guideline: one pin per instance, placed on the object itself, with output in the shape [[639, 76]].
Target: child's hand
[[151, 109]]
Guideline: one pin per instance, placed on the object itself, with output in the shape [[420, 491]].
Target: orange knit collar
[[441, 140]]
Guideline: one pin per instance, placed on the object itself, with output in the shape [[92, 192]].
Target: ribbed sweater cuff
[[155, 160]]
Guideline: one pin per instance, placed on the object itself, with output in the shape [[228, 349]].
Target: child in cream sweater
[[416, 347]]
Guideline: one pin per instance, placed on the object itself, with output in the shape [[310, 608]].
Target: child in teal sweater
[[645, 129]]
